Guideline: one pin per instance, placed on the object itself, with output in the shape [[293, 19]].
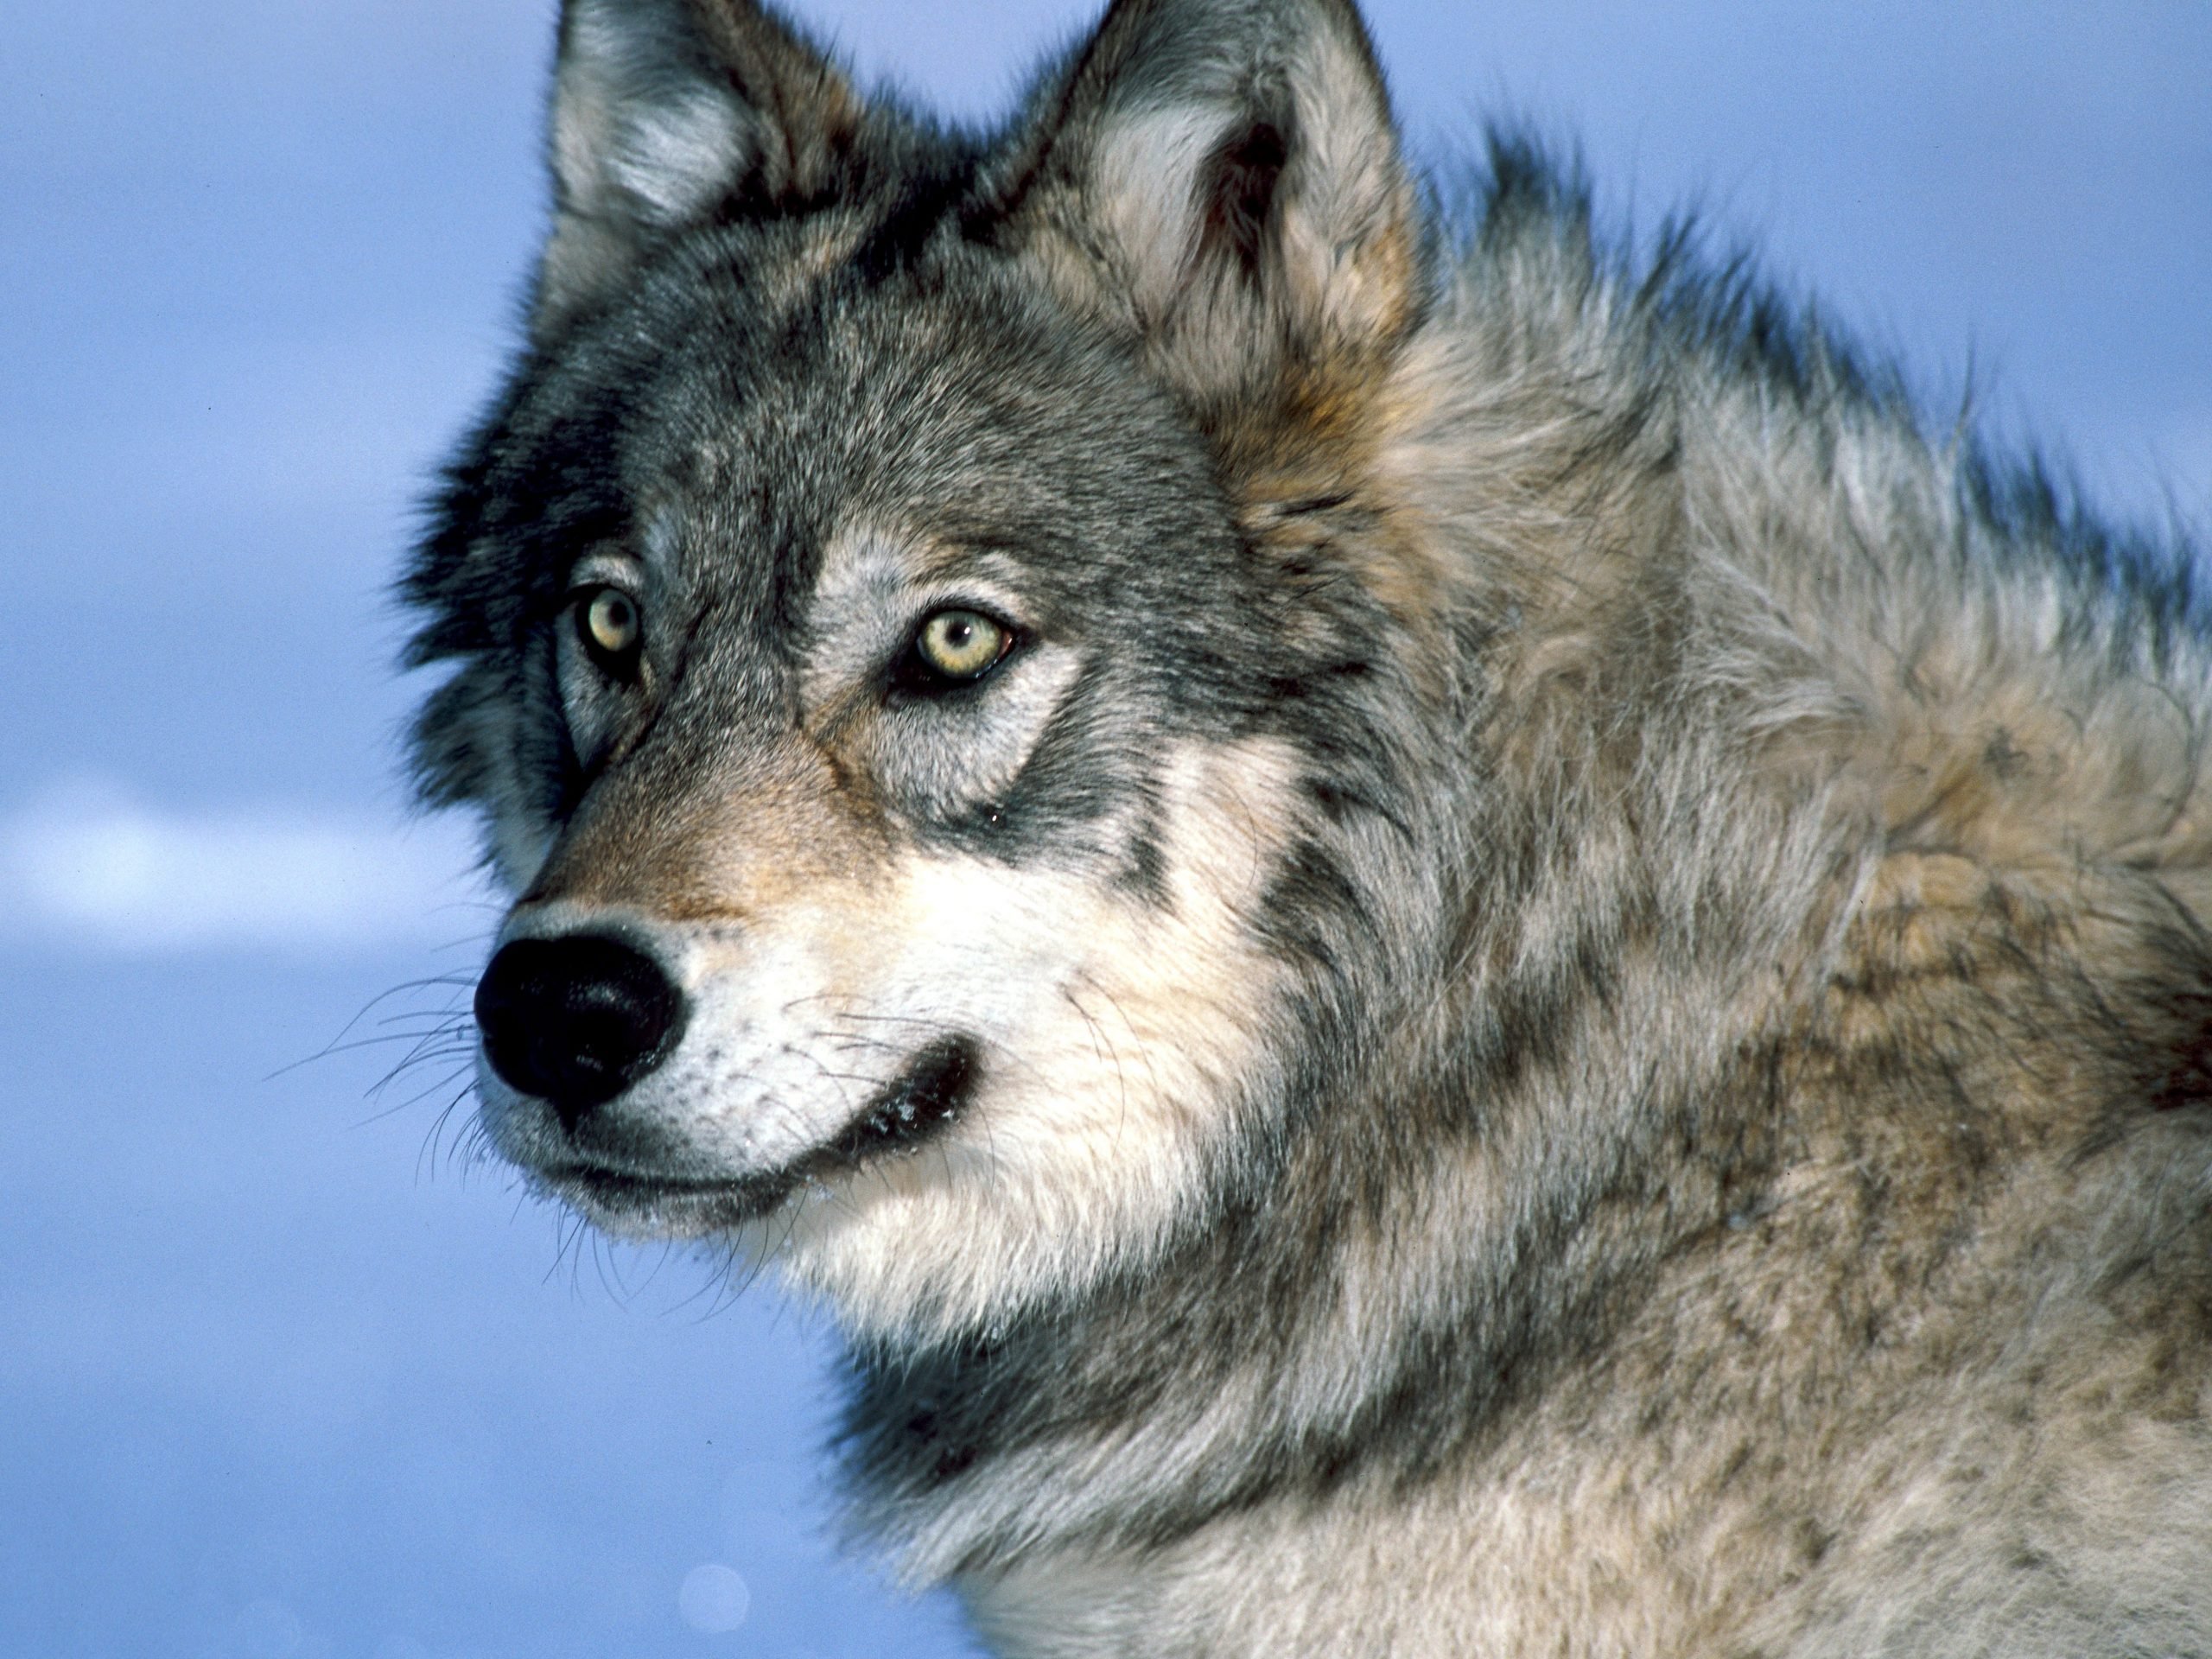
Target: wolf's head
[[935, 645]]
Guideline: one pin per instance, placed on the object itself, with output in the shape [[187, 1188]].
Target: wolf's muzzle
[[577, 1019]]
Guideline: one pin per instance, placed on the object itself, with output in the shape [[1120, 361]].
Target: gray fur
[[1670, 1113]]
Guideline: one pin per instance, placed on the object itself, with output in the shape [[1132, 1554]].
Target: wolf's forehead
[[851, 401], [844, 562], [843, 477]]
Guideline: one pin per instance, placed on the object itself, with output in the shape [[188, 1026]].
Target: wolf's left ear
[[662, 109], [1225, 175]]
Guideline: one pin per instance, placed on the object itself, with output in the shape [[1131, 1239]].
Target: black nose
[[576, 1019]]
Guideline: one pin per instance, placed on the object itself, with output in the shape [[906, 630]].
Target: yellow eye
[[609, 622], [961, 645]]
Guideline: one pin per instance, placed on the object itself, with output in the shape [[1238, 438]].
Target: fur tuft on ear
[[1224, 174], [661, 109]]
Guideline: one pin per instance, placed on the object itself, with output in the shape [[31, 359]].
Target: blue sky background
[[278, 1375]]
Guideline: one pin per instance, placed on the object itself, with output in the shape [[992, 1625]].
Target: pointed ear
[[1224, 175], [661, 109]]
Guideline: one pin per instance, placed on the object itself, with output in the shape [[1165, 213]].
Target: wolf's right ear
[[662, 109]]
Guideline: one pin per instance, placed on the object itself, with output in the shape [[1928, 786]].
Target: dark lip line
[[595, 1175], [592, 1186], [904, 1114], [601, 1176]]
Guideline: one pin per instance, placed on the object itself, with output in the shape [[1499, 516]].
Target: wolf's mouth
[[924, 1097], [912, 1106]]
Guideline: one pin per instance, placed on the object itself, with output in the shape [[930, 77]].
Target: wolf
[[1438, 941]]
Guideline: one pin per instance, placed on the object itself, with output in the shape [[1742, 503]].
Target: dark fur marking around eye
[[568, 778]]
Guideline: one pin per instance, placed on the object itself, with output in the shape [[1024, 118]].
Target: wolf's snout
[[576, 1019]]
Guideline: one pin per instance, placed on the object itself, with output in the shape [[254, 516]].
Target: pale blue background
[[277, 1377]]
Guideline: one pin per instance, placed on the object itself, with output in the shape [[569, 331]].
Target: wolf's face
[[918, 605]]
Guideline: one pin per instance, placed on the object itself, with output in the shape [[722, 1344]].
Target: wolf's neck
[[1428, 1263]]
